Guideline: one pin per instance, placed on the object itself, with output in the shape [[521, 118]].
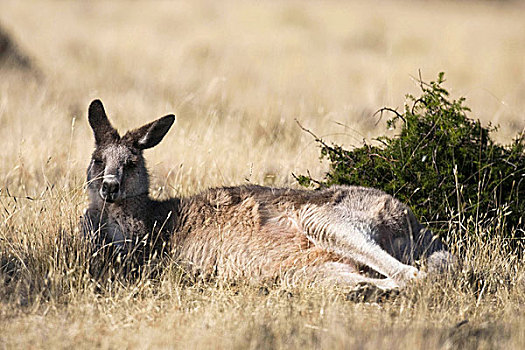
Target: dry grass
[[237, 74]]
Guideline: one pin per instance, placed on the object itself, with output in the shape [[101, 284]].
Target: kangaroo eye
[[131, 164], [98, 161]]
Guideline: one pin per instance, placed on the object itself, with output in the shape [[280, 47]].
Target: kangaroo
[[257, 233]]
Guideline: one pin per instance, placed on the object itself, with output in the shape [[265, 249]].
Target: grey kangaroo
[[330, 236]]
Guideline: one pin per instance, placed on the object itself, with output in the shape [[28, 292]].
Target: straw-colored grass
[[237, 74]]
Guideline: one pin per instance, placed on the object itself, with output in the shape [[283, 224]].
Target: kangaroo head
[[117, 169]]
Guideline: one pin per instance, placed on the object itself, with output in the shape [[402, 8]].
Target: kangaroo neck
[[136, 206], [153, 213]]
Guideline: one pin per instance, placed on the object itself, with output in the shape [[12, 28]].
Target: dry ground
[[237, 74]]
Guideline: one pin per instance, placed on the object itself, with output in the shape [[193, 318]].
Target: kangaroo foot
[[371, 293]]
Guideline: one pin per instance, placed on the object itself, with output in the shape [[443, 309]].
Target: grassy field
[[237, 75]]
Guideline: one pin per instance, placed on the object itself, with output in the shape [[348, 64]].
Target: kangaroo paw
[[371, 293]]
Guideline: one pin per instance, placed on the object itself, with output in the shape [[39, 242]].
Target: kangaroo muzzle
[[110, 189]]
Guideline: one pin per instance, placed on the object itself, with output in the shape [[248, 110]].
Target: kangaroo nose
[[110, 186], [110, 189]]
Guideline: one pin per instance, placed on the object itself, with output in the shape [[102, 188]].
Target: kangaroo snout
[[110, 189]]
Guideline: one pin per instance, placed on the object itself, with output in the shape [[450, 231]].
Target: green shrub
[[444, 165]]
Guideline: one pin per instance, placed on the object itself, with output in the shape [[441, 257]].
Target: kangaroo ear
[[98, 120], [150, 134]]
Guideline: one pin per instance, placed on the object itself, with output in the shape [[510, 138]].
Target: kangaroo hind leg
[[353, 238]]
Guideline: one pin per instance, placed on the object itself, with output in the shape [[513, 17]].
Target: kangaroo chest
[[126, 228]]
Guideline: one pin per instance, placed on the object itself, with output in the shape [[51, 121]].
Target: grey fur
[[329, 236]]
